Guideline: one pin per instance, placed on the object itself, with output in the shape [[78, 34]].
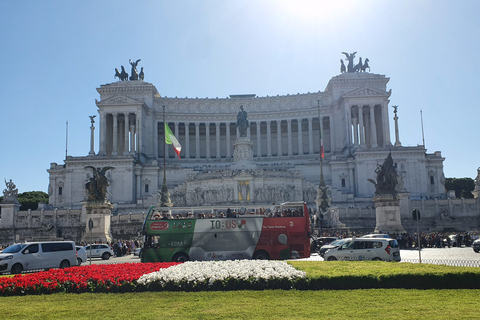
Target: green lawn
[[270, 304], [327, 304]]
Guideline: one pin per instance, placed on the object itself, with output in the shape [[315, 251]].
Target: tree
[[463, 187], [30, 199]]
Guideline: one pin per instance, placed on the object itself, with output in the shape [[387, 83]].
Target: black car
[[329, 246], [318, 242]]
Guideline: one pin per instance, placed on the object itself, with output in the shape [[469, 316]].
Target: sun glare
[[316, 12]]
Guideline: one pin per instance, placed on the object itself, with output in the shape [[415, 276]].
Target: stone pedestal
[[243, 154], [9, 211], [387, 209], [100, 215]]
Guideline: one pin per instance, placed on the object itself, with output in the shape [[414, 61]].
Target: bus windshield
[[280, 232]]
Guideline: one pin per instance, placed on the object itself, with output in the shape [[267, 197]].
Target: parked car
[[476, 245], [81, 255], [376, 235], [137, 252], [365, 249], [38, 255], [99, 251], [318, 242], [331, 245]]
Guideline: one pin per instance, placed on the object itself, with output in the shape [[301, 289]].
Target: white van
[[38, 255], [365, 249]]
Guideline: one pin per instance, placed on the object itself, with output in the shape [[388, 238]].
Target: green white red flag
[[170, 139]]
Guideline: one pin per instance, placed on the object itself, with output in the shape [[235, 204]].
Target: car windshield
[[14, 248], [337, 242]]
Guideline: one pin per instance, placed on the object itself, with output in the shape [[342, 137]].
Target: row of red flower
[[91, 278]]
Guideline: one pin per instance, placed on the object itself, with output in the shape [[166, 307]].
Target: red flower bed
[[94, 278]]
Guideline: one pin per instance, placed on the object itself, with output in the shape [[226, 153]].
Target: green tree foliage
[[30, 199], [463, 187]]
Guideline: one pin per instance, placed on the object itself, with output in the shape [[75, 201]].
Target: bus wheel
[[180, 257], [261, 255]]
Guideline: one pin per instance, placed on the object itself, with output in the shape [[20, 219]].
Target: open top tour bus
[[281, 233]]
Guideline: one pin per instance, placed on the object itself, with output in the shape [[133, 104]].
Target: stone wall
[[449, 215]]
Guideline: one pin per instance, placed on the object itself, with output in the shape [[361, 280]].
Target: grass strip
[[268, 304]]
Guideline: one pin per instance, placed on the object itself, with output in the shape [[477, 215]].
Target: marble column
[[103, 134], [155, 138], [300, 136], [289, 136], [310, 136], [207, 140], [217, 140], [373, 127], [259, 139], [115, 134], [126, 142], [228, 140], [279, 138], [269, 139], [361, 126], [187, 140], [197, 140]]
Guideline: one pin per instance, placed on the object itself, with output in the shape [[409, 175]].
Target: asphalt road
[[456, 256]]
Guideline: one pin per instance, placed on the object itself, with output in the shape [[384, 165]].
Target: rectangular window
[[432, 180], [343, 183], [60, 191], [146, 188]]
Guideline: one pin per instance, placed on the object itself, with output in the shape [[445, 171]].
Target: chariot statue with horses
[[351, 67]]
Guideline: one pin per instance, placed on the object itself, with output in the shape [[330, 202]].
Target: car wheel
[[376, 259], [17, 268], [106, 256], [79, 261], [64, 264], [180, 257], [476, 250], [331, 258], [261, 255]]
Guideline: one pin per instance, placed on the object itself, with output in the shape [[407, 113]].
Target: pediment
[[118, 101], [367, 92]]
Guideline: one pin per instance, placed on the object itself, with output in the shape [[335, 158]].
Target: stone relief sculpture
[[387, 178], [10, 193], [242, 122], [96, 187]]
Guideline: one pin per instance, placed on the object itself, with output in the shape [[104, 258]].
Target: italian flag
[[170, 139]]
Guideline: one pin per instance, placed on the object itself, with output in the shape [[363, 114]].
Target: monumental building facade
[[350, 120]]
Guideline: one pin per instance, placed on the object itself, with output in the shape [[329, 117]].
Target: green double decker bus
[[281, 233]]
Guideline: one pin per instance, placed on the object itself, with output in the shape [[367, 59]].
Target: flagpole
[[165, 196], [423, 136], [322, 197]]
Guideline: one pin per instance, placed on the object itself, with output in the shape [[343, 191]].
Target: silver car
[[99, 251], [81, 255]]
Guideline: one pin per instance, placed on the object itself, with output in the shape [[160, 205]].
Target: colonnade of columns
[[271, 138], [368, 127], [119, 134]]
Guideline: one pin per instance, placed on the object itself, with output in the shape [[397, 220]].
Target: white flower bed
[[226, 274]]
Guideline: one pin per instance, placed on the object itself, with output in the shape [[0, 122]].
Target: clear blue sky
[[55, 54]]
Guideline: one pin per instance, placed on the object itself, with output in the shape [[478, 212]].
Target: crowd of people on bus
[[229, 213]]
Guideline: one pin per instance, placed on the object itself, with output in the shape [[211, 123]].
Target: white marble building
[[352, 113]]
